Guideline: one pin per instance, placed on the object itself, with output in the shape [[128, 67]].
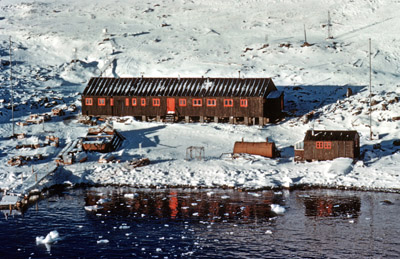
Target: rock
[[349, 92], [374, 102], [396, 142], [377, 146]]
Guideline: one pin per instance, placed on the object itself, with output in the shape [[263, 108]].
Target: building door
[[170, 106]]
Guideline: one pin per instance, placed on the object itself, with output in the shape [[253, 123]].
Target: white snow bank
[[341, 166]]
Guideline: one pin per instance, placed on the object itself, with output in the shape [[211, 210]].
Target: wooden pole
[[305, 34]]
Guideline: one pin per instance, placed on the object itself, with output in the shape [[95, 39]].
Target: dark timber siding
[[328, 145], [263, 99]]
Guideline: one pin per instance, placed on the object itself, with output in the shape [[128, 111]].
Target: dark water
[[177, 223]]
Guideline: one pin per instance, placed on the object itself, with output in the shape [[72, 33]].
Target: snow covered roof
[[147, 86], [316, 135], [274, 94]]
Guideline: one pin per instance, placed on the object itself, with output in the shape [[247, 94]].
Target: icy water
[[204, 223]]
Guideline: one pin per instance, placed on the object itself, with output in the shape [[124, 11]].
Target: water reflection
[[178, 204], [332, 206], [176, 223]]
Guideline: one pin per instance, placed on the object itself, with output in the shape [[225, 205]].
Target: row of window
[[323, 145], [156, 102]]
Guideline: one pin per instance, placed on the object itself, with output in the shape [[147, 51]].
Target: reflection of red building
[[173, 204], [332, 206], [191, 205], [324, 208]]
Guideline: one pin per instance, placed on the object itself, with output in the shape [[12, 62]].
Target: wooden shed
[[102, 139], [246, 100], [327, 145]]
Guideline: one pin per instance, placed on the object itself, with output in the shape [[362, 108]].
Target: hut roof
[[156, 86], [316, 135]]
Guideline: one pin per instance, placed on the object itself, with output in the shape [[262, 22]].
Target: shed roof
[[169, 86], [316, 135]]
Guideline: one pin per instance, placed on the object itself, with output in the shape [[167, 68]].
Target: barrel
[[266, 149]]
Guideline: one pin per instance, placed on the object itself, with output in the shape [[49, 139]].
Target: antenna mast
[[329, 26], [370, 91], [12, 92]]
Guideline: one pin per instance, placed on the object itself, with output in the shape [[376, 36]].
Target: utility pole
[[329, 26], [370, 91], [305, 34], [12, 92]]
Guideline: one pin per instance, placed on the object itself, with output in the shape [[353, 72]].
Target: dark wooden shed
[[327, 145], [249, 100]]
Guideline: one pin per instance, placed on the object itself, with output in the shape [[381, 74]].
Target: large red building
[[247, 100]]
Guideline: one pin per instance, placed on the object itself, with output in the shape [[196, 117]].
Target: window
[[143, 102], [112, 102], [228, 103], [319, 145], [126, 101], [328, 145], [89, 101], [101, 102], [212, 102], [243, 103], [197, 102], [156, 102], [134, 103], [182, 102]]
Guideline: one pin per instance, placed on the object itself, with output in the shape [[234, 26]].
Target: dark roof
[[316, 135], [153, 86]]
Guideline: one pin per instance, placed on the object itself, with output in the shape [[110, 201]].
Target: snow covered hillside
[[58, 45]]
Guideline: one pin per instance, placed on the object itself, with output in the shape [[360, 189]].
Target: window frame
[[327, 145], [142, 101], [213, 102], [156, 102], [111, 101], [182, 102], [101, 101], [127, 102], [198, 102], [319, 145], [89, 101], [244, 103], [228, 102], [134, 102]]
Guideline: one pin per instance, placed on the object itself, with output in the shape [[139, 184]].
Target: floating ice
[[278, 209], [101, 201], [51, 237], [93, 208], [124, 226], [103, 241], [131, 195]]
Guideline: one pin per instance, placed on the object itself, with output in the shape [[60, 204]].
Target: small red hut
[[327, 145]]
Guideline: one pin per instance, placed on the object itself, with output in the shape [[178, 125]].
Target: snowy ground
[[58, 45]]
